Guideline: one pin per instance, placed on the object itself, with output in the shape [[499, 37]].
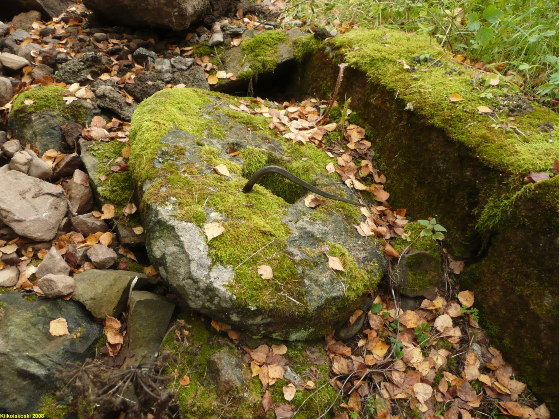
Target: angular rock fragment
[[54, 264], [9, 276], [101, 256], [54, 286], [89, 224]]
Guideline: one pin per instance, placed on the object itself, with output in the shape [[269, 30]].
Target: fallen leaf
[[335, 263], [276, 372], [455, 97], [331, 169], [494, 81], [313, 202], [380, 349], [129, 209], [267, 401], [390, 251], [536, 177], [222, 170], [484, 109], [354, 402], [213, 230], [279, 349], [355, 316], [126, 152], [184, 381], [212, 79], [380, 194], [410, 319], [289, 392], [511, 408], [265, 272], [108, 211], [106, 238], [283, 411], [59, 327], [138, 230], [466, 298], [422, 392], [443, 322], [8, 249], [543, 412]]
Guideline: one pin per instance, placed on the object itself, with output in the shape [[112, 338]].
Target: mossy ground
[[51, 409], [48, 98], [201, 399]]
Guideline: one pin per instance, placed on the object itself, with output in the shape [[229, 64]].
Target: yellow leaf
[[212, 79], [380, 349], [289, 392], [138, 230], [184, 381], [455, 97], [108, 211], [265, 272], [222, 170], [106, 238], [466, 298], [212, 230], [126, 152], [484, 109]]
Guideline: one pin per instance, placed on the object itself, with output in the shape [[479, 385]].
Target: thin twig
[[338, 84], [255, 253]]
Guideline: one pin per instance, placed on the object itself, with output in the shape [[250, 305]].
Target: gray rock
[[25, 20], [12, 61], [53, 264], [182, 63], [19, 35], [32, 207], [145, 85], [172, 14], [38, 167], [11, 259], [6, 91], [225, 371], [348, 331], [88, 224], [9, 148], [72, 132], [30, 355], [3, 138], [100, 37], [54, 286], [101, 256], [9, 276], [107, 97], [195, 77], [79, 193], [127, 236], [144, 57], [67, 166], [105, 292], [4, 29], [21, 161], [46, 31], [149, 318], [40, 71], [162, 65], [216, 39], [77, 69], [28, 50]]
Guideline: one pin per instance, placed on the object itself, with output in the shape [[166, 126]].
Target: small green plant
[[474, 312], [432, 229], [398, 348], [420, 333], [394, 326], [374, 405], [354, 415], [375, 308]]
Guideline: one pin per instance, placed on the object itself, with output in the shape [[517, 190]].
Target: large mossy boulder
[[446, 159], [38, 115], [177, 137]]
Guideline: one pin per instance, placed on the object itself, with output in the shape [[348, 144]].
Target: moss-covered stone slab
[[38, 115], [446, 159], [262, 56], [177, 137]]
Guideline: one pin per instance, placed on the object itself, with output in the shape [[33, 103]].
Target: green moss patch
[[262, 50]]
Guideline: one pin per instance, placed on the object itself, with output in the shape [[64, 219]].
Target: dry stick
[[338, 84], [255, 253]]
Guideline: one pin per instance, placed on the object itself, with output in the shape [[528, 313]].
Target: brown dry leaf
[[59, 327], [456, 266], [555, 170], [380, 194], [8, 249], [484, 109], [213, 230], [535, 177], [289, 392], [335, 263], [265, 272], [313, 202], [222, 170], [236, 42], [212, 79], [184, 381], [255, 368], [219, 326], [310, 385], [494, 81], [453, 309], [390, 251], [442, 322], [370, 360], [422, 392], [376, 321], [466, 392], [339, 348], [331, 169], [276, 371], [129, 209], [263, 376], [410, 319], [543, 412], [98, 122], [283, 411], [455, 97], [355, 316], [340, 365], [108, 212], [511, 408], [471, 367], [106, 238], [466, 298], [354, 402], [267, 401], [279, 349], [126, 152]]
